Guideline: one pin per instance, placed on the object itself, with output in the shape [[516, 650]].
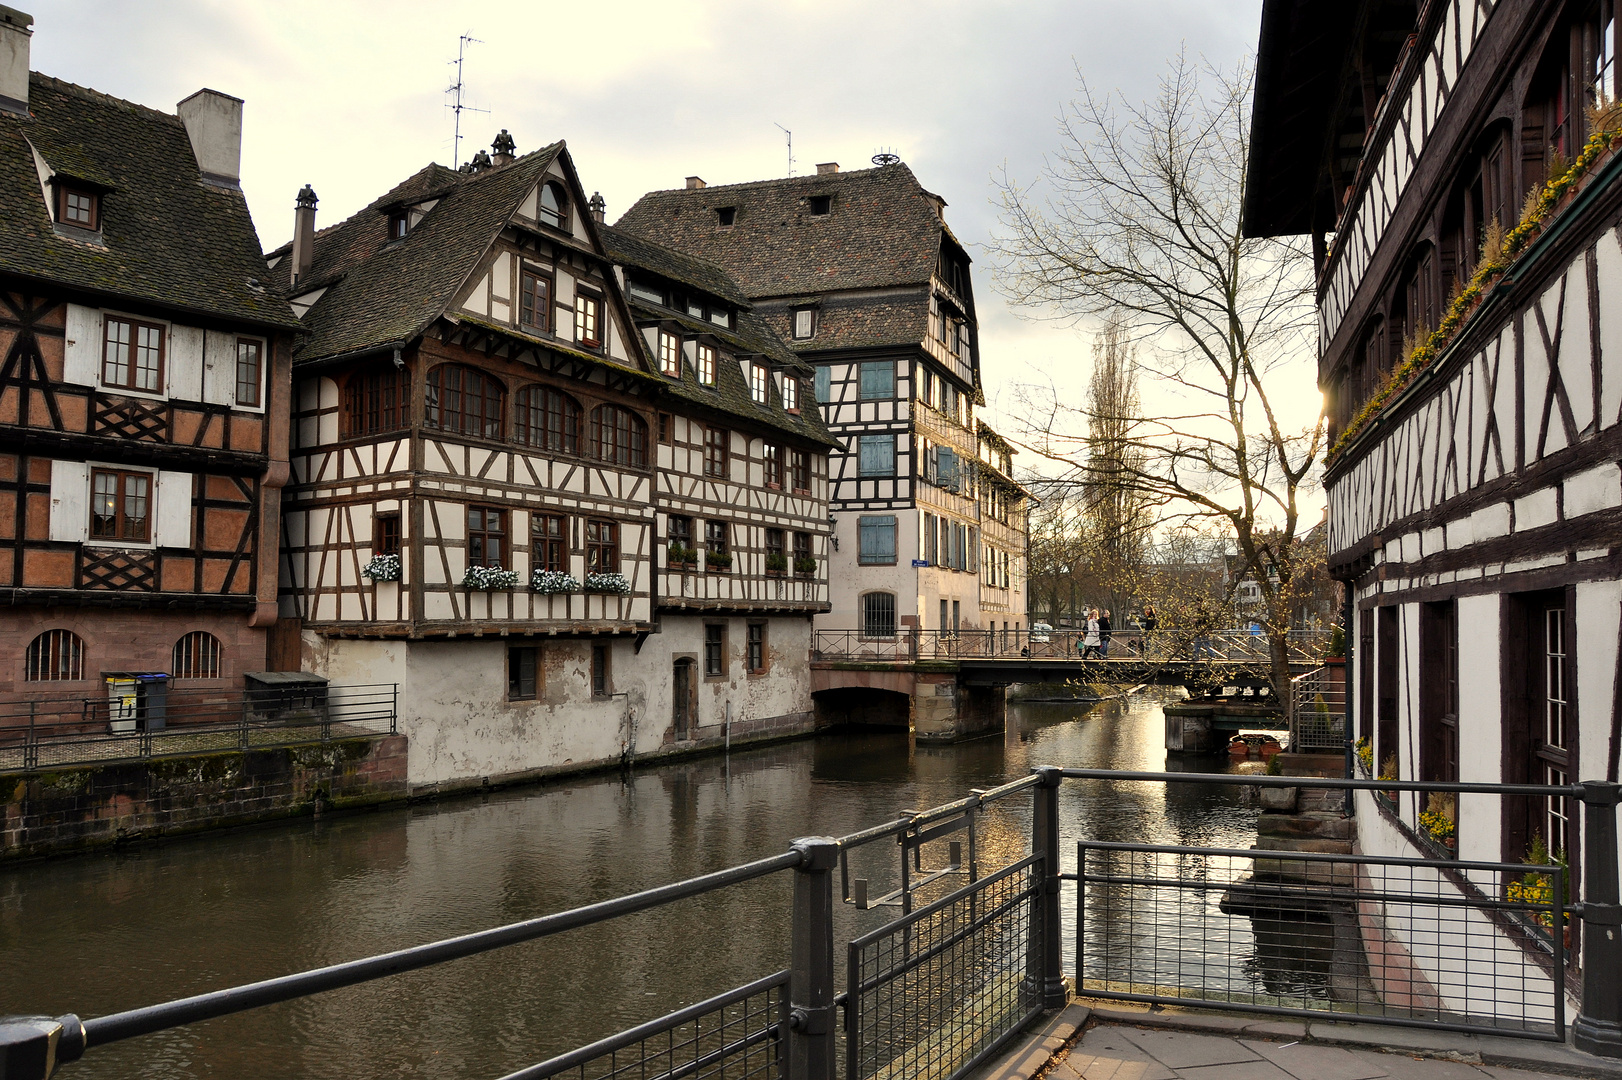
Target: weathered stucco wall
[[70, 809]]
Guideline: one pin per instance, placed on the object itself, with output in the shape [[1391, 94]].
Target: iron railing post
[[31, 1047], [1598, 1028], [1042, 968], [811, 966]]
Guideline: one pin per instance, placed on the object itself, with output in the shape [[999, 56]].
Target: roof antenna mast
[[456, 89], [790, 135]]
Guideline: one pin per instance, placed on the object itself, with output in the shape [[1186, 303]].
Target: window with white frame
[[791, 393], [759, 379], [669, 353], [706, 365]]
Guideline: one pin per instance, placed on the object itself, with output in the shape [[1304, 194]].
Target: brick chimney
[[695, 182], [503, 149], [597, 205], [303, 233], [214, 123], [827, 168], [14, 36]]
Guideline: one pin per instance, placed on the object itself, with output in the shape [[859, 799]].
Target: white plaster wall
[[1480, 724], [1599, 623], [847, 579]]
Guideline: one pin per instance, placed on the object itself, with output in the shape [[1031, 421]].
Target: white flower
[[553, 581], [383, 568], [489, 578], [608, 583]]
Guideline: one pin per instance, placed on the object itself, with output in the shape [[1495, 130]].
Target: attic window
[[805, 322], [724, 216], [720, 317], [78, 206], [399, 224], [820, 205], [554, 206]]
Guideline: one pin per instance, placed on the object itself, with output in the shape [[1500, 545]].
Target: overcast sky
[[349, 97]]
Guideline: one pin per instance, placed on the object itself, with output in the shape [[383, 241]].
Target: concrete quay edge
[[1052, 1036]]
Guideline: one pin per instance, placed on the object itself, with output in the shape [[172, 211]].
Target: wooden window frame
[[760, 384], [755, 654], [544, 216], [800, 471], [715, 650], [717, 453], [399, 225], [810, 315], [667, 428], [802, 546], [560, 417], [64, 191], [549, 546], [717, 536], [54, 656], [129, 366], [868, 631], [375, 401], [865, 440], [523, 672], [440, 406], [707, 364], [257, 381], [776, 542], [386, 533], [588, 308], [771, 465], [601, 671], [791, 393], [602, 546], [619, 436], [120, 497], [669, 354], [196, 655], [876, 522], [528, 315], [501, 535]]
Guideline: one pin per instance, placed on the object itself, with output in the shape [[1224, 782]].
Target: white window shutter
[[70, 501], [81, 352], [173, 510]]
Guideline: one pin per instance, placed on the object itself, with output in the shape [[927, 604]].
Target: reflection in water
[[100, 933]]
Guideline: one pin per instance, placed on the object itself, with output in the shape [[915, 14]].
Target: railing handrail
[[1574, 791]]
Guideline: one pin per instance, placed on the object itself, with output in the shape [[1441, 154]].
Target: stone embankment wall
[[86, 806]]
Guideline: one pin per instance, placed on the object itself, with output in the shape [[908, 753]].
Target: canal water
[[101, 933]]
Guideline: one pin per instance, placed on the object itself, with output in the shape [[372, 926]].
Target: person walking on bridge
[[1104, 632], [1090, 640]]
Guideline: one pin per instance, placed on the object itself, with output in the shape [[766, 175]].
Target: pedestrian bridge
[[948, 685]]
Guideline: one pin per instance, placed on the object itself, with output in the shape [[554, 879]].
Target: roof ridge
[[102, 96], [784, 180]]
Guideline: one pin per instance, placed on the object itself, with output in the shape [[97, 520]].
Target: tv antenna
[[456, 90], [790, 135]]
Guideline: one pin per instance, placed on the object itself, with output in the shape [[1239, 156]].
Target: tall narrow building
[[860, 273], [144, 360]]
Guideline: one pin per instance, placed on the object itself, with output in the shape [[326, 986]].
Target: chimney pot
[[214, 123], [597, 205], [14, 39], [695, 182], [303, 233], [827, 168], [503, 147]]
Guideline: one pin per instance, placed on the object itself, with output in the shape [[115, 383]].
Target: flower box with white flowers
[[489, 579], [383, 568], [608, 583], [551, 582]]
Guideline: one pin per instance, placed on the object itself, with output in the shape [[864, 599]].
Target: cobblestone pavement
[[1082, 1043]]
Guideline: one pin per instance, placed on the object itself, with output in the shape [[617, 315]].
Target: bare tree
[[1137, 218], [1116, 520]]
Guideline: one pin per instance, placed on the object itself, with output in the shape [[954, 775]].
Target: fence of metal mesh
[[933, 994], [737, 1035], [1318, 711], [1465, 946]]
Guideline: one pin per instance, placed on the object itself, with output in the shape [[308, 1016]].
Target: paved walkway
[[1088, 1041]]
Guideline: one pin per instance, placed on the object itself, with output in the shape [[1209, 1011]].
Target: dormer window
[[725, 215], [78, 206], [805, 322], [720, 317], [758, 381], [669, 354], [706, 365], [820, 205], [791, 393], [399, 224], [554, 206]]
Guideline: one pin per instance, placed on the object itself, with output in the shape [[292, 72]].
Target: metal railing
[[1318, 711], [56, 732], [935, 993], [1126, 647]]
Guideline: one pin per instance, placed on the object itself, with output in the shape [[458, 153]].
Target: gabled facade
[[1474, 491], [486, 464], [859, 273], [144, 362]]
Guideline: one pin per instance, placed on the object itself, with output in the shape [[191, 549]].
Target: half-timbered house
[[143, 391], [486, 458], [860, 274], [1470, 381]]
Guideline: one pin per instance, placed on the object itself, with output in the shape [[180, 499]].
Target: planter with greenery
[[383, 568], [719, 561], [805, 565], [681, 557], [549, 582], [776, 563], [489, 579], [1439, 818], [608, 583]]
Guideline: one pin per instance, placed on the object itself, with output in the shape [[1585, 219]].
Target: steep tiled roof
[[882, 229], [859, 322], [167, 238], [751, 335], [381, 292]]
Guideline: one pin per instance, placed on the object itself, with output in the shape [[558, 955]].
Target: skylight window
[[79, 207], [820, 205], [725, 215]]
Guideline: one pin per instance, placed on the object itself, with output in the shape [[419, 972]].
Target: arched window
[[619, 436], [463, 400], [375, 401], [549, 419], [878, 615], [554, 208], [55, 656], [197, 656]]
